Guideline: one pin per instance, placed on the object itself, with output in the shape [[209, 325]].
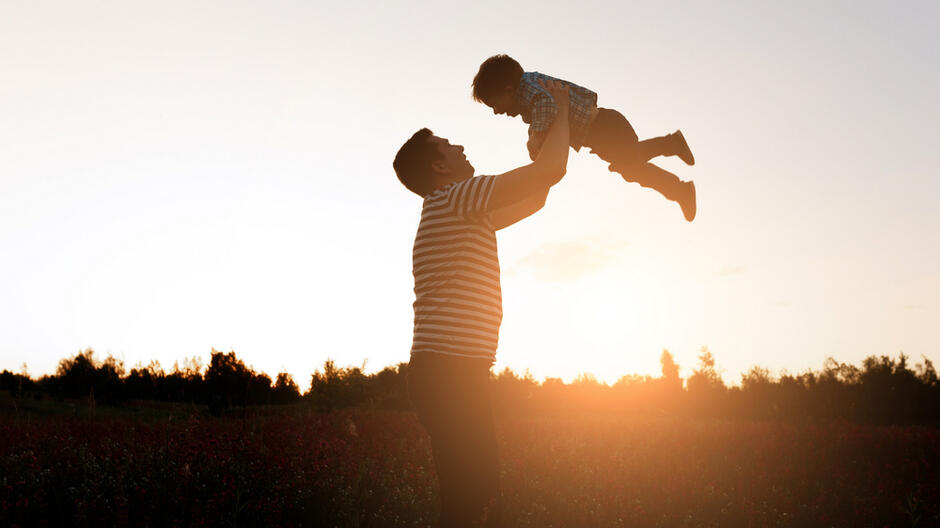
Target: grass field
[[153, 465]]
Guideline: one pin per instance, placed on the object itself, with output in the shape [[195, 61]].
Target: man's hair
[[495, 74], [413, 163]]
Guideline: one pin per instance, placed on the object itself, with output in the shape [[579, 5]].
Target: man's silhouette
[[458, 304]]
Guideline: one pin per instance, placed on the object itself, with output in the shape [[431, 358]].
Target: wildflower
[[351, 427]]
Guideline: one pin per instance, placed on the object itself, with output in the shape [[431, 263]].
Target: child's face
[[502, 104]]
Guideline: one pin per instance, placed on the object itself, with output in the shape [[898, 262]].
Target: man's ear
[[440, 167]]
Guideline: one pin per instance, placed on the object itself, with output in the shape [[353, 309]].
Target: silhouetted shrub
[[183, 384], [390, 387], [882, 390], [18, 385], [84, 377], [229, 382], [339, 387], [285, 390], [706, 390]]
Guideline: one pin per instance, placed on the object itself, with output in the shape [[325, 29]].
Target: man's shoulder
[[467, 200], [476, 179], [445, 190]]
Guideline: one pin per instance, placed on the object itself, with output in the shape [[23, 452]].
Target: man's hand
[[533, 146], [559, 92], [550, 164]]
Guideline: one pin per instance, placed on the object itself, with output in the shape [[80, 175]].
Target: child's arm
[[544, 111]]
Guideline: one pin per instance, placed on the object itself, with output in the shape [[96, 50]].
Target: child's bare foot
[[682, 148]]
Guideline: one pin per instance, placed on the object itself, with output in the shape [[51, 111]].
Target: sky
[[182, 176]]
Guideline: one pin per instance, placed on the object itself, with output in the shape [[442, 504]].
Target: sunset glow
[[171, 184]]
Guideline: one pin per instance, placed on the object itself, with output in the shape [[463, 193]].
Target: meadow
[[150, 464]]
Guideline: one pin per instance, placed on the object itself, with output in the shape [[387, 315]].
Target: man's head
[[495, 83], [426, 162]]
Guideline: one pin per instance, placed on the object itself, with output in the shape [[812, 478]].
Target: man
[[458, 303]]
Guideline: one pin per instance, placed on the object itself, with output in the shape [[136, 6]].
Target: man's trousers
[[451, 395]]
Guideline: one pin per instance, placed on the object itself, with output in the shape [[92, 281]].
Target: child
[[504, 86]]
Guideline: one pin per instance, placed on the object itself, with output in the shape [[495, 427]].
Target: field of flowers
[[372, 468]]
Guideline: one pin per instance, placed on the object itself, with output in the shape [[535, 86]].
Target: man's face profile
[[454, 165]]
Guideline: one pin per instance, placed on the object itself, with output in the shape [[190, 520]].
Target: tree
[[141, 382], [285, 390], [705, 388], [756, 378], [670, 371], [82, 376], [705, 377], [338, 387], [227, 381]]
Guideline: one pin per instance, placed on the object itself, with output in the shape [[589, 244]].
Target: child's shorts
[[611, 136]]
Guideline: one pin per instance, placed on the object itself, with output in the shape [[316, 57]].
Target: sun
[[611, 321]]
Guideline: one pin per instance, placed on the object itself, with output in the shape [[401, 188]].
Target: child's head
[[496, 82]]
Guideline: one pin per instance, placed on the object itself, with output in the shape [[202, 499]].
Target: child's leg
[[669, 145], [653, 147], [613, 139], [662, 181]]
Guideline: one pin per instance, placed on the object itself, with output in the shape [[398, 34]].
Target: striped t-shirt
[[458, 303]]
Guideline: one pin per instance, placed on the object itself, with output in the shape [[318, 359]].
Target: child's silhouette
[[504, 86]]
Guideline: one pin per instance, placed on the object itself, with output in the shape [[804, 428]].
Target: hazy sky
[[182, 175]]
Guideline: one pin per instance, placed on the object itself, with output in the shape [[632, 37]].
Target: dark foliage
[[18, 385], [882, 390], [229, 382], [83, 377], [294, 466]]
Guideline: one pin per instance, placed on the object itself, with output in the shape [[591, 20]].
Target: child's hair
[[496, 73], [413, 163]]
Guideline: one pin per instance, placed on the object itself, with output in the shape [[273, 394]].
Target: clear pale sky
[[177, 176]]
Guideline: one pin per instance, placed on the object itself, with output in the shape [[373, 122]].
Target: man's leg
[[453, 403], [468, 472], [482, 468]]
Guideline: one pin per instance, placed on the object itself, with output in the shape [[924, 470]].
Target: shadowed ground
[[291, 466]]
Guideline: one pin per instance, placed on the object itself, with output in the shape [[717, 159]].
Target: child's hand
[[558, 90]]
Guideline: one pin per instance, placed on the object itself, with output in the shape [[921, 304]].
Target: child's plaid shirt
[[538, 109]]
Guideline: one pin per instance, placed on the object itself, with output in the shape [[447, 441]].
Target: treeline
[[225, 382], [880, 390]]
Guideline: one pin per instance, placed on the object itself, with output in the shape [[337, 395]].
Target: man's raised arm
[[525, 208], [549, 166]]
